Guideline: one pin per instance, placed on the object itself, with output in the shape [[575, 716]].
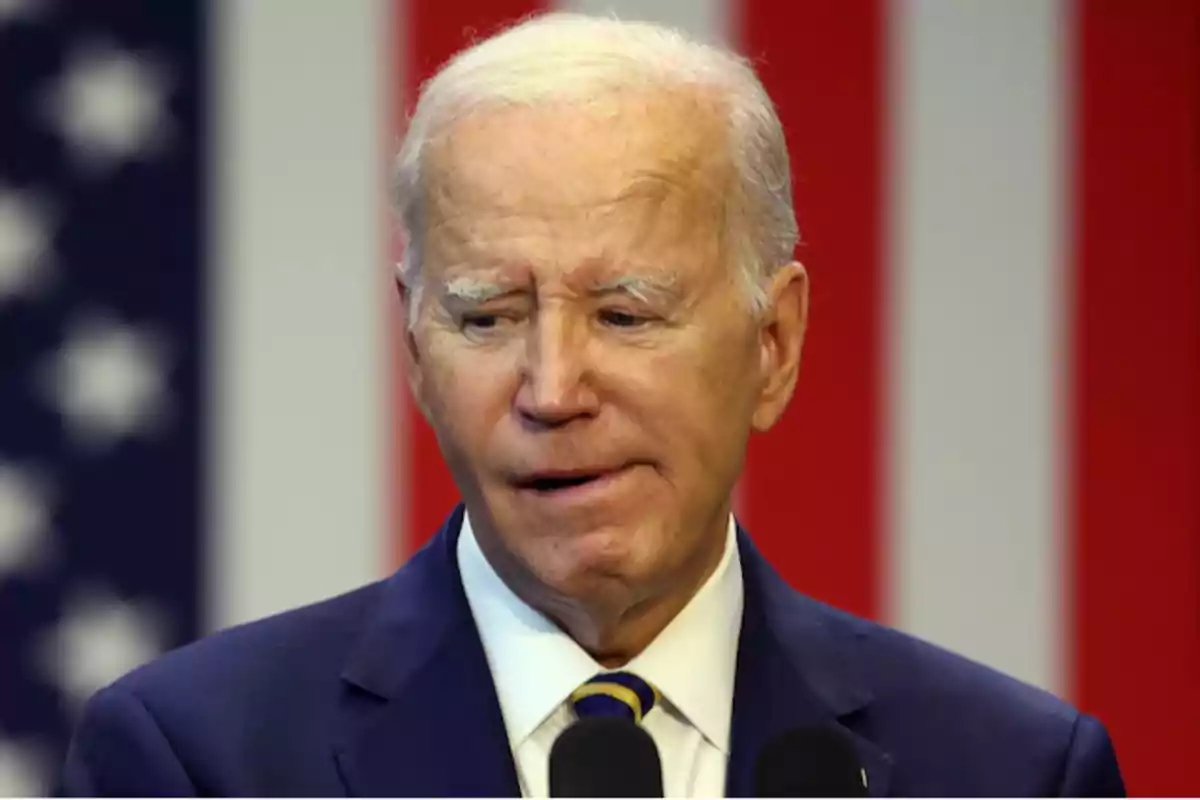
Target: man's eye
[[622, 319], [480, 322]]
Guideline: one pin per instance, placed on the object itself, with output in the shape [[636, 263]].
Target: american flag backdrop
[[995, 439], [103, 261]]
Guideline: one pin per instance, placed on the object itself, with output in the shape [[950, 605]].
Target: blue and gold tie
[[615, 694]]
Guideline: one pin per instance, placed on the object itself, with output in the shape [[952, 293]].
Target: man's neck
[[614, 629]]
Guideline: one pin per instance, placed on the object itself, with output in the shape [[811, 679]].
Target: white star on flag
[[23, 768], [110, 106], [24, 243], [104, 127], [24, 521], [109, 382], [11, 11], [99, 639]]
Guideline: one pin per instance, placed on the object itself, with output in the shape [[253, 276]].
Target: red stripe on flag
[[811, 493], [1136, 455], [428, 33]]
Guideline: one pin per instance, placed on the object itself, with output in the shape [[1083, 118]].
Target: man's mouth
[[553, 481], [551, 484]]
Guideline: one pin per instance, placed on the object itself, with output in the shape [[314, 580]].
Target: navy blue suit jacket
[[386, 691]]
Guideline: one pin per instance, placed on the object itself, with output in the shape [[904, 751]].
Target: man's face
[[584, 349]]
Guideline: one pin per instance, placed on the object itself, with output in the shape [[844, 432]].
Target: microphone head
[[811, 762], [605, 757]]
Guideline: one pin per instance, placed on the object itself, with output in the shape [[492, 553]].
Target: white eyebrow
[[473, 290], [638, 286]]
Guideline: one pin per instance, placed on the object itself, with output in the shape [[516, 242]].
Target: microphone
[[605, 757], [810, 762]]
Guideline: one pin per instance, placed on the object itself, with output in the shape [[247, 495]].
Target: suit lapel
[[794, 669], [420, 715]]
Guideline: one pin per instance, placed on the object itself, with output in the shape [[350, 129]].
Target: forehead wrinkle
[[687, 173], [655, 193]]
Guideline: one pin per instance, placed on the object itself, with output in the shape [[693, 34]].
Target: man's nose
[[555, 377]]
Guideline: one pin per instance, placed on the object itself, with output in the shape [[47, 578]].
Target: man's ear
[[783, 325], [411, 355]]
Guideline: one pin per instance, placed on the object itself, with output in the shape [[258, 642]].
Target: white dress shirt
[[536, 666]]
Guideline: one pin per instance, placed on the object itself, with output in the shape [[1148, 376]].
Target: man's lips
[[553, 480]]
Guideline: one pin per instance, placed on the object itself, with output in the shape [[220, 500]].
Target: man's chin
[[581, 566], [578, 558], [590, 564], [591, 595]]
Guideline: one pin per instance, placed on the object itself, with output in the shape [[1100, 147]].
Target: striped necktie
[[615, 694]]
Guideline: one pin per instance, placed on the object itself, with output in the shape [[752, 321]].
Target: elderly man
[[602, 307]]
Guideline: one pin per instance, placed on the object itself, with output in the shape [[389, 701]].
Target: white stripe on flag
[[976, 92], [299, 372]]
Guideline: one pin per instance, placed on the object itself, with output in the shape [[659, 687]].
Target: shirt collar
[[693, 661], [536, 666]]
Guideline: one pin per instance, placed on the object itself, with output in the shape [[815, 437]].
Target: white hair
[[574, 57]]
